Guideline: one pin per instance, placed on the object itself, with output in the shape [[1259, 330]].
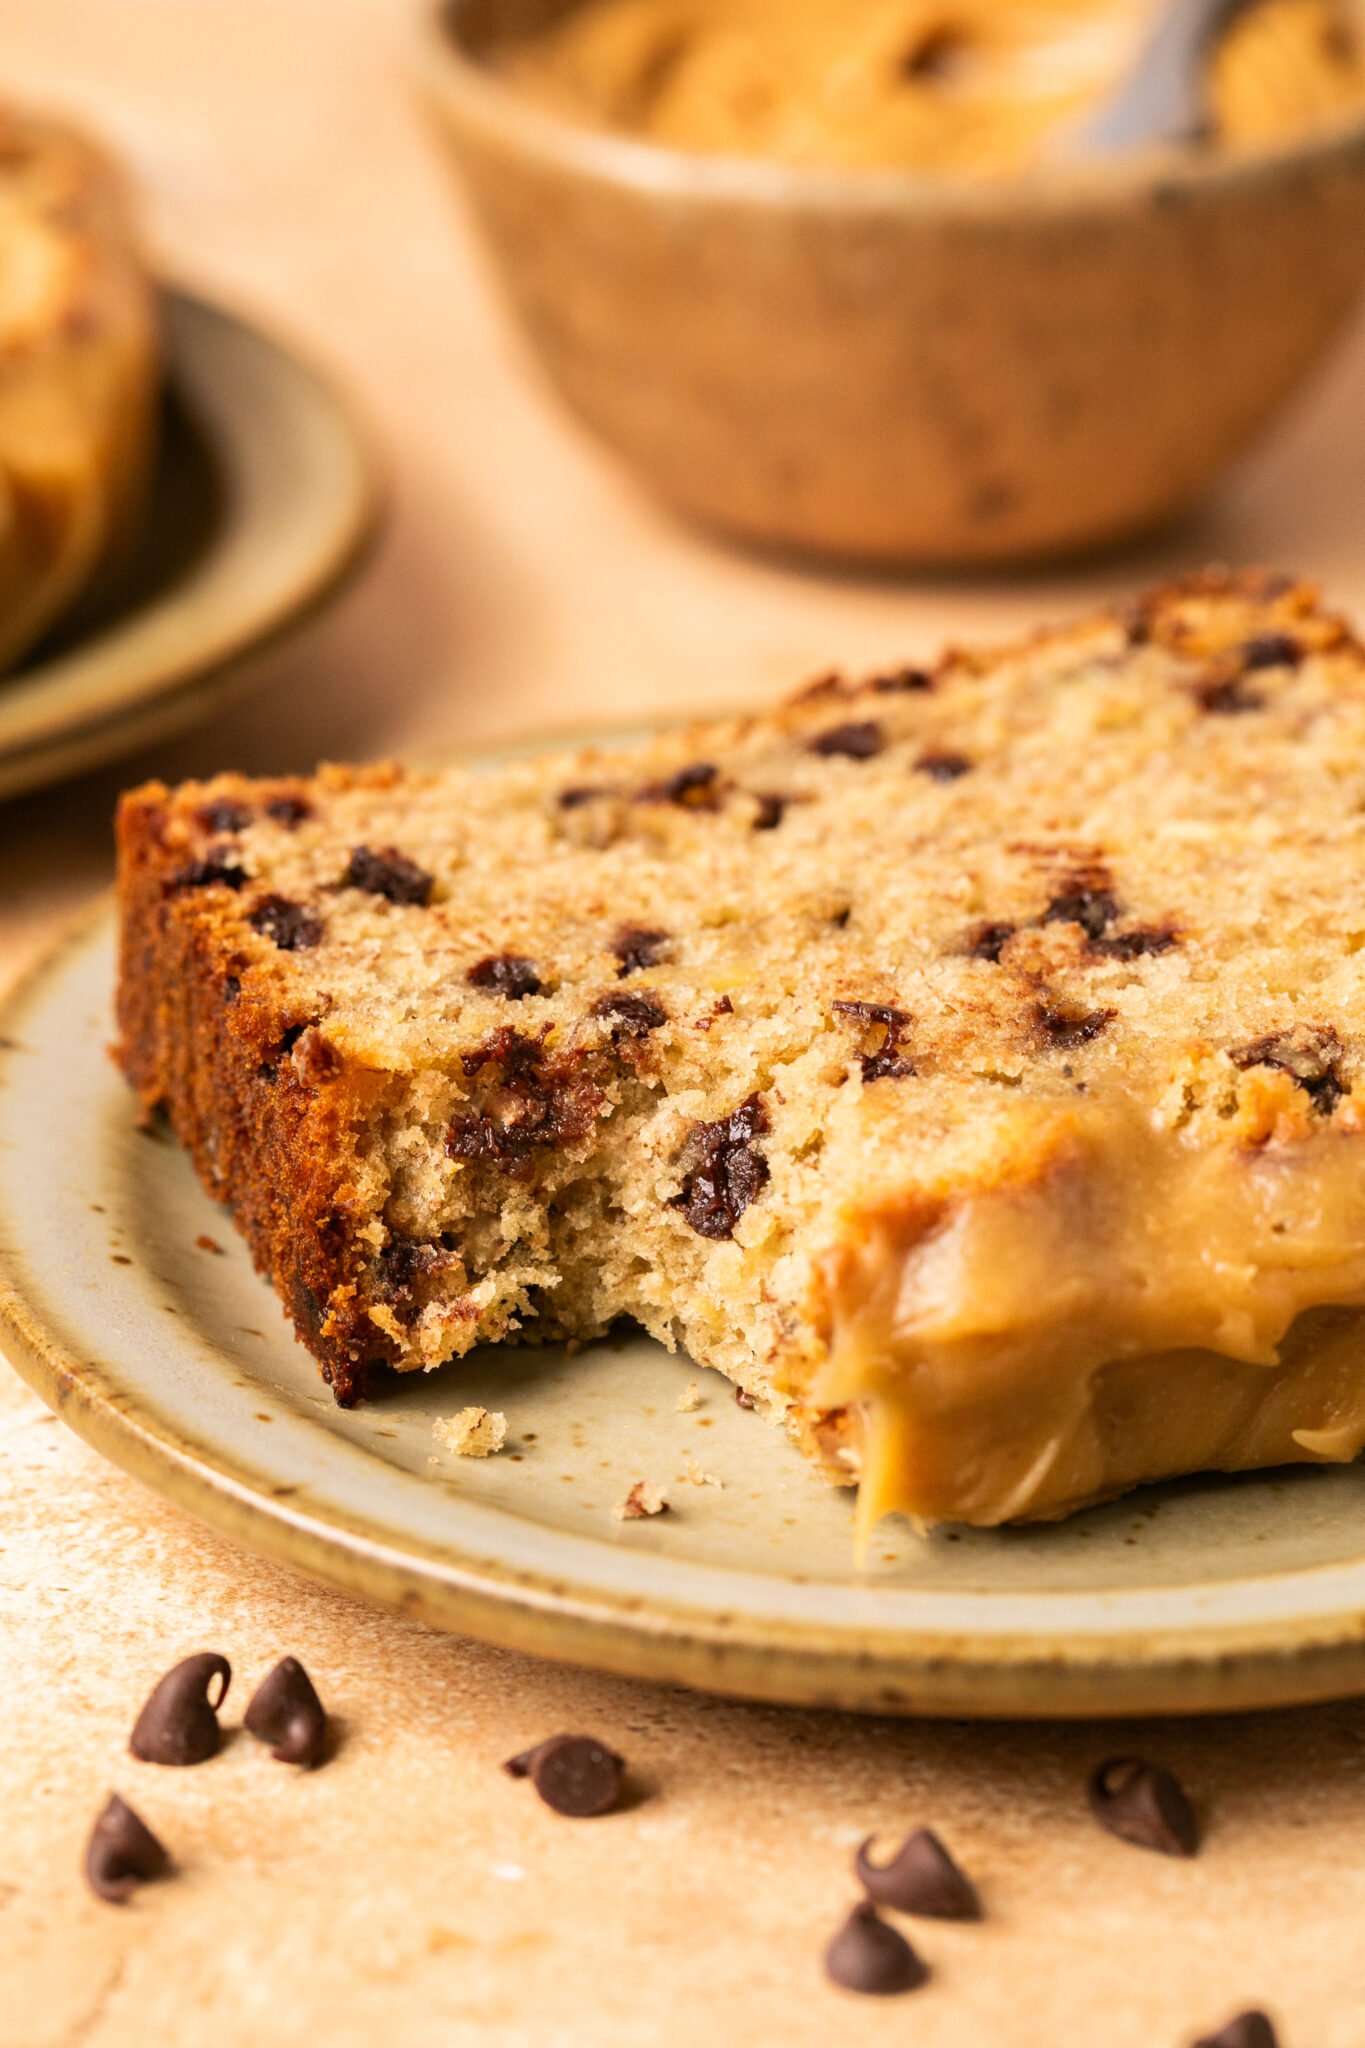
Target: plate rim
[[1277, 1661], [70, 742]]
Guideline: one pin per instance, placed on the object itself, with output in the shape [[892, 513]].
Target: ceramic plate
[[171, 1355], [263, 499]]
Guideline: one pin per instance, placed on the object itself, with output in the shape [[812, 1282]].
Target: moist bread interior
[[964, 1060]]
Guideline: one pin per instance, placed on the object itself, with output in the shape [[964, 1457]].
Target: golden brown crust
[[266, 1109]]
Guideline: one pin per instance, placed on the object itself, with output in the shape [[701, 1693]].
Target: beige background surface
[[409, 1892]]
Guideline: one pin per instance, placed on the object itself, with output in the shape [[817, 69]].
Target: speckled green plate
[[173, 1358], [263, 500]]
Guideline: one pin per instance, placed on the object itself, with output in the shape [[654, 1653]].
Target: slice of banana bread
[[965, 1061]]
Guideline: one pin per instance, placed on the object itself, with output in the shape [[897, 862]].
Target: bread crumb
[[640, 1502], [206, 1243], [694, 1475], [473, 1433], [689, 1399]]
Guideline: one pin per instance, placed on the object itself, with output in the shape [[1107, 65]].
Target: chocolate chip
[[885, 1061], [770, 813], [727, 1174], [886, 1064], [637, 947], [1064, 1026], [743, 1399], [988, 941], [574, 1774], [920, 1878], [520, 1056], [1094, 910], [506, 974], [293, 928], [223, 815], [868, 1956], [289, 810], [1136, 623], [1144, 1804], [1272, 650], [872, 1013], [1248, 2030], [388, 873], [179, 1724], [122, 1853], [1226, 696], [286, 1712], [936, 53], [402, 1261], [1309, 1053], [943, 767], [857, 741], [631, 1016], [542, 1101], [695, 788], [903, 679], [1141, 943], [483, 1141], [214, 872]]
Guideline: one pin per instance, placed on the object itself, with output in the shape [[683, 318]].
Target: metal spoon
[[1165, 97]]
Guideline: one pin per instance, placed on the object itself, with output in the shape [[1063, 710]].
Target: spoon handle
[[1165, 98]]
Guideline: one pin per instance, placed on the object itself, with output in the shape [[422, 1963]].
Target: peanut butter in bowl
[[884, 280], [981, 87]]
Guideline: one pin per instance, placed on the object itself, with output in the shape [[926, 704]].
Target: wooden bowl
[[896, 367]]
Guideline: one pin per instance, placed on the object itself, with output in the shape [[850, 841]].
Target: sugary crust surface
[[679, 1033]]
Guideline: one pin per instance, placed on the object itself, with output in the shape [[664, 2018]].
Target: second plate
[[263, 499]]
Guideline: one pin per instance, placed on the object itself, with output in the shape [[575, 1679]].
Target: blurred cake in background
[[949, 85], [79, 373]]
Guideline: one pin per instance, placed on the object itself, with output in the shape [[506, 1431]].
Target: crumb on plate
[[642, 1501], [473, 1433]]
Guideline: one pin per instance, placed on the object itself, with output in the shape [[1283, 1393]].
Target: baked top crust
[[79, 370], [965, 1060]]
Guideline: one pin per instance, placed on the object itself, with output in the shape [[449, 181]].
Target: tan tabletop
[[409, 1893]]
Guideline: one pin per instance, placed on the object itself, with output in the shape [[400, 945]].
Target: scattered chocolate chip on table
[[122, 1853], [179, 1724], [574, 1774], [1144, 1804], [286, 1712], [869, 1956], [1248, 2030], [920, 1878]]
